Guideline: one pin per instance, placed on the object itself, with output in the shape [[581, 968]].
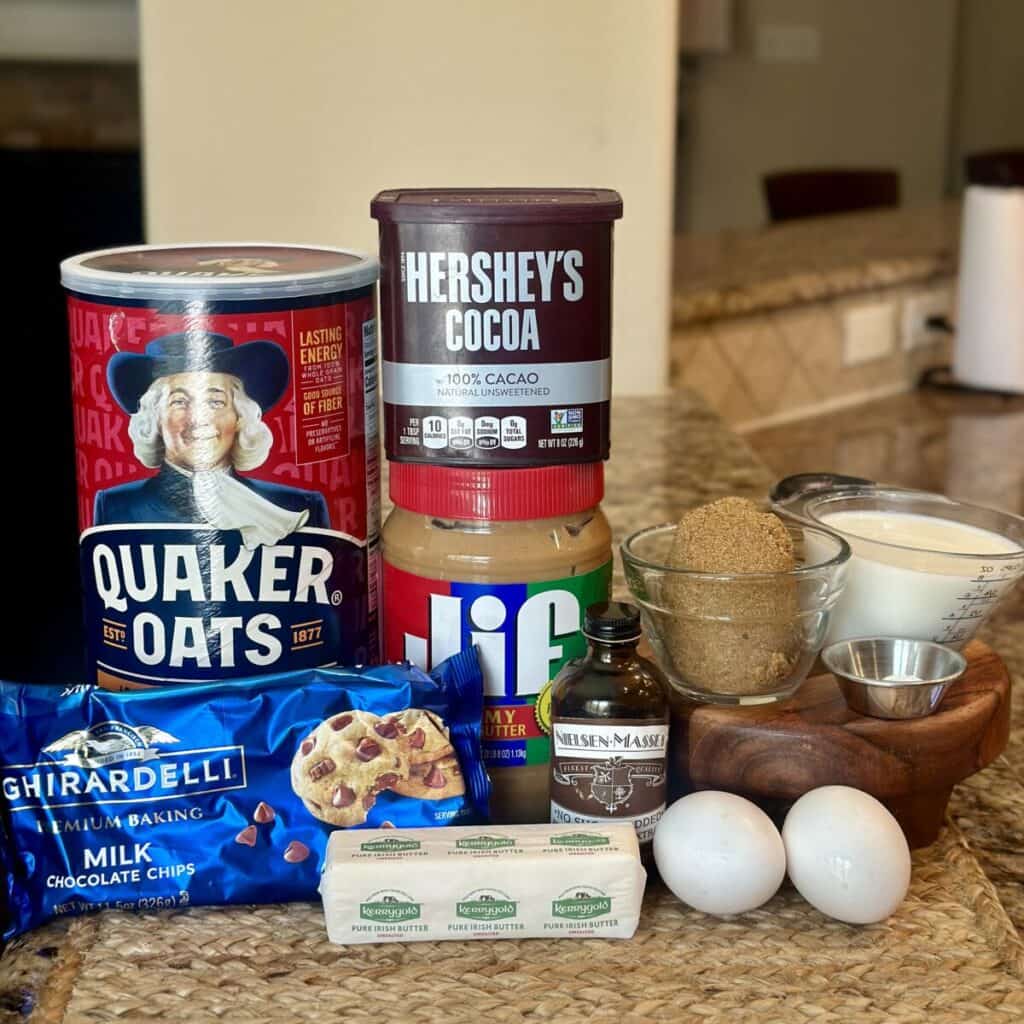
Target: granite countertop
[[669, 454], [732, 273]]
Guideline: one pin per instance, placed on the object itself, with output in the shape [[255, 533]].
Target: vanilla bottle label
[[609, 769]]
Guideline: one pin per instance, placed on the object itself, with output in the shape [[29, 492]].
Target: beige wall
[[878, 95], [274, 120], [990, 79]]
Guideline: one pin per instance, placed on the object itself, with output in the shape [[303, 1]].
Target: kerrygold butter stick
[[491, 882]]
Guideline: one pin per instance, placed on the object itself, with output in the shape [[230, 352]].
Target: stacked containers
[[496, 378]]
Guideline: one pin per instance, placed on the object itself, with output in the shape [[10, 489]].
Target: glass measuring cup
[[921, 566]]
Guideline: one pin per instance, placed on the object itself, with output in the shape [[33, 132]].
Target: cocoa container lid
[[496, 205]]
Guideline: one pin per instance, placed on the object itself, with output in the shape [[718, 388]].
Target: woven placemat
[[949, 954]]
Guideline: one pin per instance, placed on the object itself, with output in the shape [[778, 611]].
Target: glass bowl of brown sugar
[[736, 637]]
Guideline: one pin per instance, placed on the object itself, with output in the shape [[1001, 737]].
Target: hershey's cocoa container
[[228, 464], [496, 304]]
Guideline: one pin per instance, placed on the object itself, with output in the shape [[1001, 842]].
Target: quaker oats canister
[[496, 308], [228, 466]]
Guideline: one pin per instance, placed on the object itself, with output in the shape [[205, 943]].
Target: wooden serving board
[[776, 753]]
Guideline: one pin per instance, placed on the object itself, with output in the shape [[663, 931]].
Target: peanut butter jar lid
[[496, 494], [496, 205]]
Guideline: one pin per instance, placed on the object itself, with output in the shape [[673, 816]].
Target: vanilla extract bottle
[[609, 729]]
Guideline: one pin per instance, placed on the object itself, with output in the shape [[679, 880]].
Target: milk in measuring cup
[[927, 588]]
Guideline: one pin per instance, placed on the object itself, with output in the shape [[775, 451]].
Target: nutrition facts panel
[[463, 432]]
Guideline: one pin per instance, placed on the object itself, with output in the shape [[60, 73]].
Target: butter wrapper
[[492, 882]]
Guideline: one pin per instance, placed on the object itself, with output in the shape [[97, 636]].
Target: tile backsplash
[[773, 366]]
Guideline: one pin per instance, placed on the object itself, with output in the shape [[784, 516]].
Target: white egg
[[846, 854], [719, 853]]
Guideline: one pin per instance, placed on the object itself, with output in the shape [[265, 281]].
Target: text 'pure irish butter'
[[511, 881]]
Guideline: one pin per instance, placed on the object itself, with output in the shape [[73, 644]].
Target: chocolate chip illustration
[[296, 853], [339, 723], [307, 745], [367, 749], [387, 824], [386, 781], [247, 837], [263, 813], [369, 800], [323, 767], [343, 797], [435, 778], [388, 729], [417, 738]]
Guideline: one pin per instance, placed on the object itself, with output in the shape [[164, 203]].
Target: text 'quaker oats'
[[228, 464]]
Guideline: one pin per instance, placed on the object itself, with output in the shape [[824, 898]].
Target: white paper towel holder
[[988, 346]]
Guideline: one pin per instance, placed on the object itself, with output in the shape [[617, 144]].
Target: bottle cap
[[613, 622]]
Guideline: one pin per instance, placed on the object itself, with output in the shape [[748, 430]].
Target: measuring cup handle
[[803, 485]]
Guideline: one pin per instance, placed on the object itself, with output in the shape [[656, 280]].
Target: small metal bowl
[[892, 676]]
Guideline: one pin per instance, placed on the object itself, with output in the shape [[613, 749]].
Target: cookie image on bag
[[422, 734], [342, 765], [437, 780]]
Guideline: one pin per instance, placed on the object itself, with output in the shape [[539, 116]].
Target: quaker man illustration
[[196, 403]]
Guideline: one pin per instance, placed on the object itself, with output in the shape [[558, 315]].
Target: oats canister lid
[[248, 271]]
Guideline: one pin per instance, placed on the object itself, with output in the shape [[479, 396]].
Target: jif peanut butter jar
[[506, 561]]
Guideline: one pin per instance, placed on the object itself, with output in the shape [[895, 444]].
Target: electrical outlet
[[936, 302], [869, 332]]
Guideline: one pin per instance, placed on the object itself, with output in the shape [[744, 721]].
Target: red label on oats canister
[[228, 465], [496, 347]]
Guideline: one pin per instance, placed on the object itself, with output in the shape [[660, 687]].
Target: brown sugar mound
[[732, 535], [737, 637]]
